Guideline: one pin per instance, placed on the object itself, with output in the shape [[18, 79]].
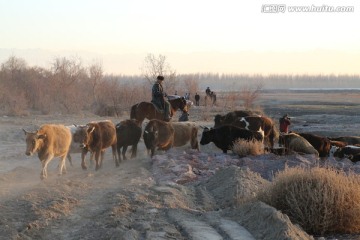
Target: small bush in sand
[[243, 147], [320, 200]]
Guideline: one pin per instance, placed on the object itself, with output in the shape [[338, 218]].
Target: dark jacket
[[158, 95]]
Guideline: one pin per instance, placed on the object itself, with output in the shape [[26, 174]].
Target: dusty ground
[[180, 194]]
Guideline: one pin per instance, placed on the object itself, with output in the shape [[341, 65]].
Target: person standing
[[284, 123], [197, 99], [213, 97], [158, 97]]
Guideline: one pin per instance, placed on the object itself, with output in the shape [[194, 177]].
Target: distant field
[[324, 112]]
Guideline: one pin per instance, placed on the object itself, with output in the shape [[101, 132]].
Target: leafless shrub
[[318, 199], [250, 94], [205, 113], [244, 148], [154, 66]]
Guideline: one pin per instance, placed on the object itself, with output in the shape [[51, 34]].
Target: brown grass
[[318, 199], [243, 147]]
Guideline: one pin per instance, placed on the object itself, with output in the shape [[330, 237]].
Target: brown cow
[[99, 136], [49, 141], [350, 140], [185, 132], [158, 134], [258, 123]]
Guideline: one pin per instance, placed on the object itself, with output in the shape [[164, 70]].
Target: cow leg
[[124, 152], [152, 151], [70, 160], [44, 163], [133, 151], [62, 167], [118, 150], [83, 154], [97, 160], [115, 158]]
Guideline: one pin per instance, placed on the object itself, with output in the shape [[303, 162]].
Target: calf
[[158, 134], [223, 137], [297, 143], [49, 141], [98, 137], [185, 132], [128, 133]]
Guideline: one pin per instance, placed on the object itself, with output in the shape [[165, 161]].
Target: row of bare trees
[[70, 87]]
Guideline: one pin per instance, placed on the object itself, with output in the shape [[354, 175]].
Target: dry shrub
[[243, 147], [320, 200]]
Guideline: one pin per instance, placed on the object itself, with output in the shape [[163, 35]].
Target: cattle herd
[[56, 140]]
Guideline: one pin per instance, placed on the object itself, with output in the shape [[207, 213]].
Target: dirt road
[[171, 196]]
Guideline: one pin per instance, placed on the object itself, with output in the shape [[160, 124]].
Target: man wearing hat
[[284, 123], [158, 97]]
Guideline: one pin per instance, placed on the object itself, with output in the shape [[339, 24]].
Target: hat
[[160, 78]]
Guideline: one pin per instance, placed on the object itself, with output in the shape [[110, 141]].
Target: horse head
[[179, 103]]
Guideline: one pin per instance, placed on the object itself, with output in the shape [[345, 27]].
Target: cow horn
[[93, 128], [25, 131]]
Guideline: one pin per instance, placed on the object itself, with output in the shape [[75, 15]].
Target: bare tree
[[95, 76], [250, 94], [154, 66]]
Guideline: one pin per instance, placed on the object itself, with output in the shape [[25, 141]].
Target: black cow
[[128, 133], [347, 151], [223, 137]]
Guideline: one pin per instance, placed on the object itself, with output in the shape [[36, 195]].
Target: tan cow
[[99, 136], [297, 143], [185, 132], [49, 141]]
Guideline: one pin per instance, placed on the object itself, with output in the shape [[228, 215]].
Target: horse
[[147, 110]]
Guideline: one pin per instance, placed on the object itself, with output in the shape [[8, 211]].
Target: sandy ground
[[180, 194]]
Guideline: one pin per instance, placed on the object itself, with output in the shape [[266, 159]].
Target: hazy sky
[[225, 36]]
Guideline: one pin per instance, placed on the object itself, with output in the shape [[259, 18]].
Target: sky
[[227, 36]]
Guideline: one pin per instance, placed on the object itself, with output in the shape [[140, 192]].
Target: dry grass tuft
[[243, 147], [320, 200]]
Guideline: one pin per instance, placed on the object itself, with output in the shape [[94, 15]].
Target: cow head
[[34, 141], [90, 135], [150, 138], [333, 151], [206, 136], [79, 134]]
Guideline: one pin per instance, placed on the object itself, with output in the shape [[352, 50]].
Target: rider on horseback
[[158, 98]]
